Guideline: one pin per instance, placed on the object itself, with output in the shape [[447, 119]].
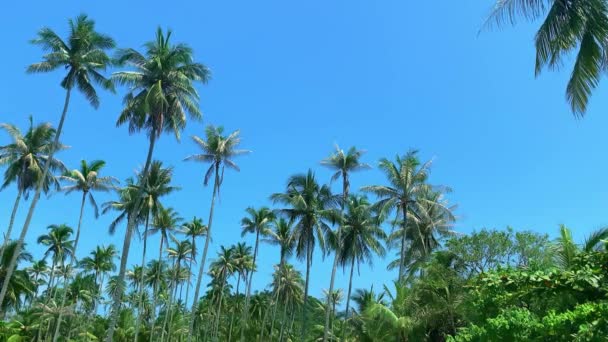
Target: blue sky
[[297, 77]]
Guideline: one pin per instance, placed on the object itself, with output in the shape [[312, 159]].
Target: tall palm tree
[[257, 223], [83, 56], [193, 229], [180, 252], [100, 262], [343, 163], [38, 271], [407, 179], [165, 221], [281, 235], [161, 93], [309, 205], [222, 267], [217, 150], [575, 26], [155, 186], [59, 245], [288, 283], [24, 158], [21, 285], [243, 264], [334, 298], [85, 180], [362, 238]]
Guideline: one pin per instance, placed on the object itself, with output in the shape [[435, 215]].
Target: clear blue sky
[[297, 77]]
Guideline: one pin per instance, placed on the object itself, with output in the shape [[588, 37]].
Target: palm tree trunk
[[189, 275], [168, 310], [7, 237], [236, 300], [293, 318], [219, 314], [72, 260], [350, 286], [304, 308], [174, 287], [141, 279], [403, 241], [13, 264], [155, 291], [204, 256], [247, 296], [131, 222], [274, 307]]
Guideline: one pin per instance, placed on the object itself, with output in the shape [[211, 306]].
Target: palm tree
[[101, 262], [24, 158], [309, 206], [180, 253], [361, 238], [257, 223], [161, 93], [580, 27], [59, 245], [193, 230], [83, 56], [334, 298], [407, 181], [218, 150], [222, 268], [288, 284], [343, 163], [165, 221], [154, 187], [281, 236], [38, 271], [243, 264], [85, 180], [565, 250]]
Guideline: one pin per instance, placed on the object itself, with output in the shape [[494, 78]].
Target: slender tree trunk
[[30, 213], [219, 314], [155, 291], [190, 274], [304, 308], [350, 286], [274, 307], [248, 295], [283, 321], [236, 301], [7, 237], [403, 242], [131, 223], [293, 318], [72, 261], [141, 279], [204, 256], [171, 298]]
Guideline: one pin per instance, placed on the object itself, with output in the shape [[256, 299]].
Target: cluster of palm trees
[[160, 95]]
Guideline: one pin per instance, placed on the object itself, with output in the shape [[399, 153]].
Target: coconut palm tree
[[579, 27], [217, 150], [281, 235], [222, 268], [155, 186], [58, 244], [362, 238], [181, 253], [193, 229], [243, 264], [288, 283], [100, 262], [343, 163], [24, 158], [407, 179], [82, 56], [309, 206], [257, 223], [85, 180], [38, 271], [161, 94]]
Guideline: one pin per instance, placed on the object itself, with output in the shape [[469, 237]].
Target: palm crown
[[82, 55], [86, 180]]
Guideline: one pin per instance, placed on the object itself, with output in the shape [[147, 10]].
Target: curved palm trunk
[[7, 237], [132, 219], [403, 241], [238, 284], [204, 256], [30, 213], [72, 260], [141, 280], [248, 295], [304, 307], [155, 291]]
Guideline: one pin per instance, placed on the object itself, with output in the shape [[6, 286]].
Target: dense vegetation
[[485, 286]]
